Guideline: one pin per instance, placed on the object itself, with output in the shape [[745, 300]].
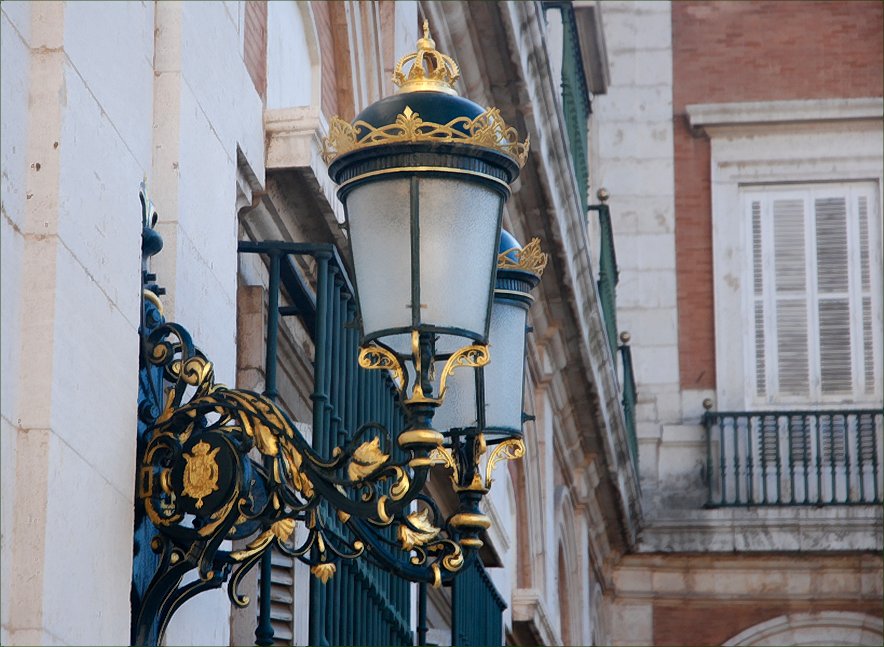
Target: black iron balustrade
[[780, 458], [609, 274], [629, 398], [476, 608], [576, 105], [362, 604]]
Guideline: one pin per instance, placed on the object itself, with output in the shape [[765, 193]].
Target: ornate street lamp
[[484, 406], [423, 177], [490, 398]]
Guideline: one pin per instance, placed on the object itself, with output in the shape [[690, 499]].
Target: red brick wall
[[751, 51], [255, 44], [698, 623]]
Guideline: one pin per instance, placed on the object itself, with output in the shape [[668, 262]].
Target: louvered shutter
[[790, 296], [815, 302], [833, 296]]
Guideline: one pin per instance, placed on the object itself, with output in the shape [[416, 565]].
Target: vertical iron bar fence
[[476, 608], [629, 400], [576, 106], [361, 604], [778, 458], [609, 274]]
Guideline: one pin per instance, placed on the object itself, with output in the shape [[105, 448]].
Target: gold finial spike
[[707, 404], [603, 194], [625, 337], [430, 69]]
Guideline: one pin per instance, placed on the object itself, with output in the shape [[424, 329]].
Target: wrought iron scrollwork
[[218, 464]]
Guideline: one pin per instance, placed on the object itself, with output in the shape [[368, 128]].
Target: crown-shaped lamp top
[[431, 71]]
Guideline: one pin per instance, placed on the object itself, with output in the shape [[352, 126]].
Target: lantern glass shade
[[460, 410], [378, 216], [505, 375], [502, 379], [424, 256]]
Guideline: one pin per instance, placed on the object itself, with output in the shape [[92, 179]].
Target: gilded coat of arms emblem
[[200, 472]]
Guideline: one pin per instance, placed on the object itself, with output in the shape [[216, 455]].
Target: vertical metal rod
[[877, 498], [832, 448], [790, 424], [765, 445], [805, 439], [860, 463], [846, 421], [319, 398], [736, 420], [750, 496], [819, 460], [722, 461], [422, 613], [264, 630], [707, 422], [779, 460]]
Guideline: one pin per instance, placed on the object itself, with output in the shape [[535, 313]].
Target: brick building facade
[[719, 115]]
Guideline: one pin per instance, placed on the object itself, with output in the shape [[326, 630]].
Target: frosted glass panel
[[458, 251], [458, 410], [378, 214], [504, 375]]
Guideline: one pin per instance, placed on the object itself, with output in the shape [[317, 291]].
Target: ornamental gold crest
[[200, 472]]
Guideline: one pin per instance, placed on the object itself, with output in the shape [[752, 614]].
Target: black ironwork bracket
[[217, 464]]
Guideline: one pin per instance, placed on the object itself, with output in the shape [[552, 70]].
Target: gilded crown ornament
[[528, 258], [430, 70]]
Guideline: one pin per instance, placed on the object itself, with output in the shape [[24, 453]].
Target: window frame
[[781, 143], [765, 194]]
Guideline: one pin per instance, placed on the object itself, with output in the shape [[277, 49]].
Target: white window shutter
[[758, 300], [865, 243], [833, 296], [815, 271], [790, 286]]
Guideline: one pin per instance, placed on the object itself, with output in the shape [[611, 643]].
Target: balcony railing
[[629, 398], [477, 608], [609, 274], [575, 97], [779, 458]]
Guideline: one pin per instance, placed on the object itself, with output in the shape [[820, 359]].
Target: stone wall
[[705, 600], [97, 98]]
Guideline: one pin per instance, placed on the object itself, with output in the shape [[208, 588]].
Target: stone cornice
[[712, 116], [834, 528]]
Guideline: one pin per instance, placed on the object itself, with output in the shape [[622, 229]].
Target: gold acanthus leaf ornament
[[280, 530], [367, 458], [422, 532], [378, 357], [529, 258], [507, 450], [488, 130], [324, 572]]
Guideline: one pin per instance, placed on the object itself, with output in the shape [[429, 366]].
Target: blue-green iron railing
[[476, 608], [575, 98], [772, 458], [609, 274], [629, 398], [362, 604]]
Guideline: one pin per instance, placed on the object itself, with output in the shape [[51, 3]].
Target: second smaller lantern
[[490, 399]]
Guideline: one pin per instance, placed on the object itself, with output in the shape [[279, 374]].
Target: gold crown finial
[[528, 258], [430, 69]]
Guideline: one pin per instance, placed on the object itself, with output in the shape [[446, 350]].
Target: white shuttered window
[[815, 303]]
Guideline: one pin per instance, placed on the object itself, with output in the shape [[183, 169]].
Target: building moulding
[[826, 627], [709, 115]]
